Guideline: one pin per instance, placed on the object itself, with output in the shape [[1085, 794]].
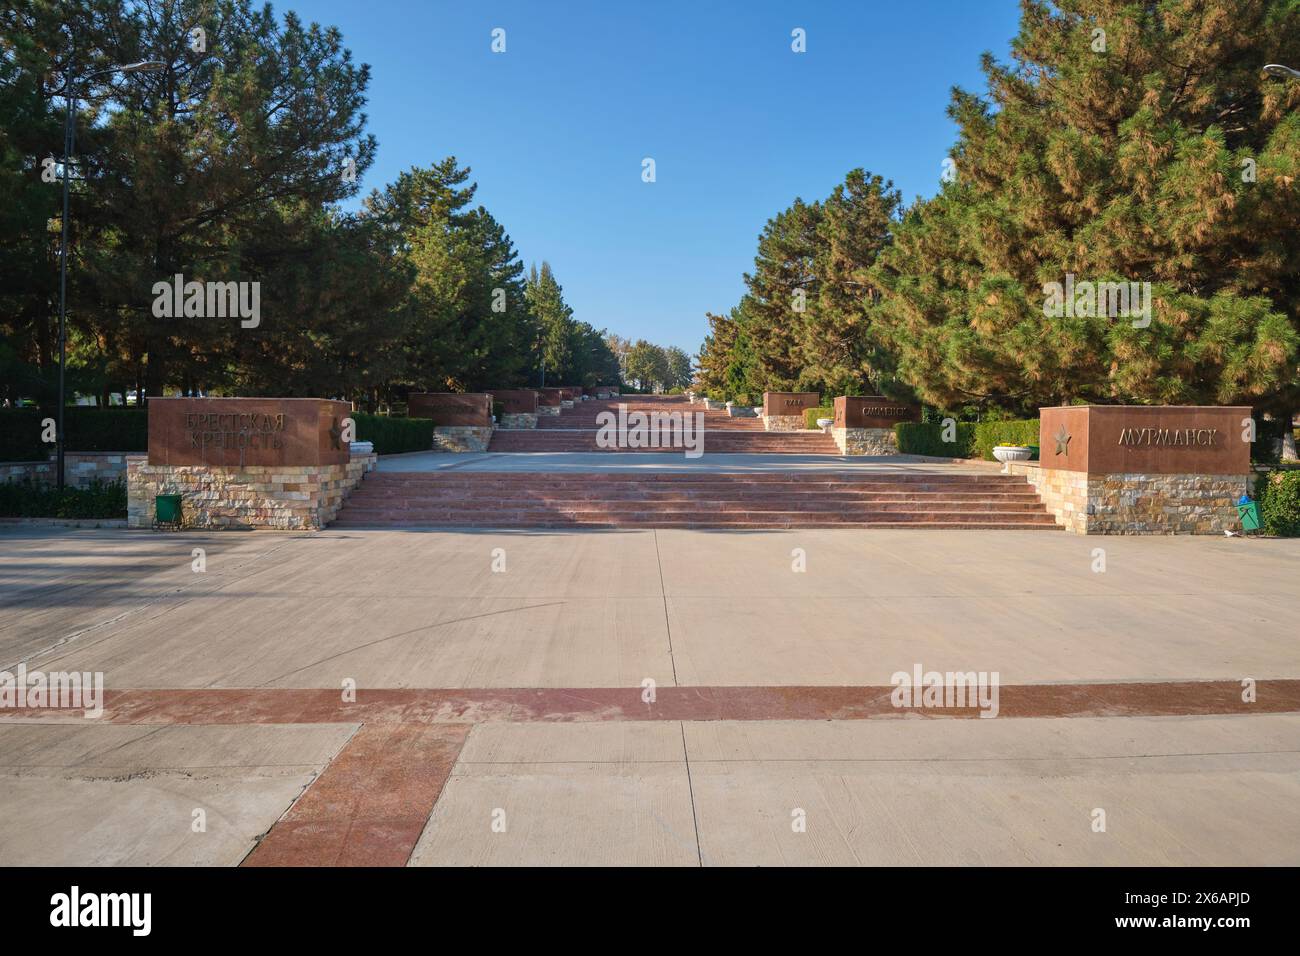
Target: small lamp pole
[[69, 141], [1277, 69]]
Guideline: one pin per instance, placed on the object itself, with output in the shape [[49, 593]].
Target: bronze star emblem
[[1062, 441], [336, 432]]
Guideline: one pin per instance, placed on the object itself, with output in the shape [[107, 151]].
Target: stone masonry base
[[1137, 503], [462, 438], [865, 441], [282, 498], [80, 468], [519, 420], [783, 423]]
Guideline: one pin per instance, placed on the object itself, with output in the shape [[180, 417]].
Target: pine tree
[[1125, 142]]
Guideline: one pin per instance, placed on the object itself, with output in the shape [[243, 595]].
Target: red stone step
[[693, 500]]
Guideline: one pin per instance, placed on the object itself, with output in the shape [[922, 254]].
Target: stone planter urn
[[758, 411], [1009, 453], [825, 423]]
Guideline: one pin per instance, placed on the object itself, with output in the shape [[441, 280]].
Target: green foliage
[[20, 435], [96, 500], [805, 320], [88, 429], [810, 416], [988, 434], [973, 440], [1112, 166], [1278, 494], [231, 164], [1268, 436], [394, 435], [919, 438]]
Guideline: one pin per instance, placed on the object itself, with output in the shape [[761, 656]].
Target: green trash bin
[[1248, 512], [167, 510]]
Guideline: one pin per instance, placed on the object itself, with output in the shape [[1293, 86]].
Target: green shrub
[[918, 438], [97, 500], [810, 416], [1278, 494], [88, 429], [1015, 432], [20, 435], [394, 435]]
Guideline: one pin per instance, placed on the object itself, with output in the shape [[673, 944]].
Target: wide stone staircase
[[693, 500], [575, 430]]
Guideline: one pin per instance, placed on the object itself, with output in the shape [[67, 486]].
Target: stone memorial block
[[467, 409], [549, 396], [1145, 439], [789, 404], [1142, 469], [239, 432], [517, 401], [873, 411]]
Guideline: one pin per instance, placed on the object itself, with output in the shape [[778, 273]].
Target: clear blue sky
[[555, 128]]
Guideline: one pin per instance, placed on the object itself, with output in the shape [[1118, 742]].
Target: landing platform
[[605, 461]]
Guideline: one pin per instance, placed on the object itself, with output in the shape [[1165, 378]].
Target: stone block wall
[[865, 441], [783, 423], [519, 420], [39, 472], [461, 438], [1164, 504], [80, 468], [1065, 493], [1137, 503], [275, 497]]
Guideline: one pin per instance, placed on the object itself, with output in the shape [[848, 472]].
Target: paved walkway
[[586, 462], [505, 717]]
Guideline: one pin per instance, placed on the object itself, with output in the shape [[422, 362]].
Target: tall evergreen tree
[[1131, 142]]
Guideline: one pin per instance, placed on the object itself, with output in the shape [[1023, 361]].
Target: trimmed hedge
[[96, 500], [394, 435], [922, 438], [1278, 494], [810, 416], [1013, 432], [88, 429], [972, 440]]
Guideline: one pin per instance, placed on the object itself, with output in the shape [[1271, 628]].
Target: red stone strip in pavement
[[467, 706], [369, 806]]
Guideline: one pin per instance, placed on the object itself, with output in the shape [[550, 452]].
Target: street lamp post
[[69, 141]]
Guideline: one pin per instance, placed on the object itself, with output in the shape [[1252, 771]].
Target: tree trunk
[[1288, 437]]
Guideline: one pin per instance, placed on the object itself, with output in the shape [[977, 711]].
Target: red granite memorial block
[[1146, 439], [789, 403], [549, 396], [238, 432], [873, 411], [517, 401], [451, 408], [571, 393]]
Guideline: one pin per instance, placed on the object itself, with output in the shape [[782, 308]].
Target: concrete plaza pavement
[[599, 610], [610, 609]]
